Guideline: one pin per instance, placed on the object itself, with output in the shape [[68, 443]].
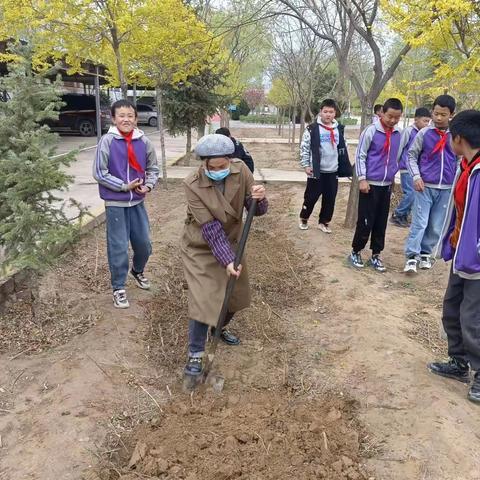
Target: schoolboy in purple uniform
[[126, 169], [400, 215], [432, 164], [460, 243], [376, 165]]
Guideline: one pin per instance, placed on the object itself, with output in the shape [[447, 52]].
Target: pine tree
[[32, 221]]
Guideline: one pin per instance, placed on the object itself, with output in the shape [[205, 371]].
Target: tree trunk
[[303, 114], [163, 155], [201, 130], [118, 60], [189, 147], [294, 121], [289, 123], [352, 206], [135, 94], [277, 121]]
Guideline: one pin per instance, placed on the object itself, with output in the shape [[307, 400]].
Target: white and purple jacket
[[372, 162], [408, 136], [466, 257], [113, 173], [437, 170]]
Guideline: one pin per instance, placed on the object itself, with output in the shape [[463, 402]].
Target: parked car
[[78, 115], [147, 115]]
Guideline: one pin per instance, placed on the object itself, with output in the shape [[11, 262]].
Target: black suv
[[78, 116]]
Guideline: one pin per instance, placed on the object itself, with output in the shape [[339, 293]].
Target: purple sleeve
[[262, 206], [214, 234]]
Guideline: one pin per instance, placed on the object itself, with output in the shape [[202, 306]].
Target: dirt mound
[[260, 435]]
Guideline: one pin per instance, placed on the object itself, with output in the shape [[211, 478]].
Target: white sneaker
[[303, 225], [411, 266], [140, 280], [425, 262], [120, 299], [324, 228]]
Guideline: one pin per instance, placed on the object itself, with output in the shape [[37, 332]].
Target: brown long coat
[[206, 278]]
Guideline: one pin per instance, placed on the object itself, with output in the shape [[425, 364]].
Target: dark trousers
[[461, 319], [372, 220], [197, 335], [326, 186]]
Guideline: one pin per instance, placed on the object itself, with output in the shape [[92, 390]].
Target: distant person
[[460, 242], [377, 110], [400, 215], [322, 150], [240, 151], [432, 164], [376, 165], [126, 169]]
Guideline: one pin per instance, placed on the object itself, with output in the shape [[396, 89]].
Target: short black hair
[[466, 125], [422, 112], [377, 108], [393, 103], [329, 103], [123, 103], [445, 101], [223, 131]]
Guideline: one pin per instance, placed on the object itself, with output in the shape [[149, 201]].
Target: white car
[[147, 115]]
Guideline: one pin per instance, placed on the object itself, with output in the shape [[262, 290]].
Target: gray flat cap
[[214, 145]]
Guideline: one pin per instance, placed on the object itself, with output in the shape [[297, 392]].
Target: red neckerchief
[[388, 139], [460, 194], [332, 133], [132, 158], [442, 142]]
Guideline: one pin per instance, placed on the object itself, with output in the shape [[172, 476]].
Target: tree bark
[[189, 147], [352, 206], [163, 155], [294, 116], [201, 130]]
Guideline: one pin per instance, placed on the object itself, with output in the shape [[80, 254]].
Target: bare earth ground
[[329, 382]]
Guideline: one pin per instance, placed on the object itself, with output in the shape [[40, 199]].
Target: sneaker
[[474, 392], [324, 228], [411, 266], [120, 299], [452, 369], [425, 262], [355, 260], [377, 264], [397, 221], [140, 280], [405, 222], [194, 366], [303, 225]]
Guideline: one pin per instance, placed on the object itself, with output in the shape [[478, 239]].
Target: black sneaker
[[377, 264], [452, 369], [194, 366], [355, 259], [474, 392], [397, 221], [140, 280]]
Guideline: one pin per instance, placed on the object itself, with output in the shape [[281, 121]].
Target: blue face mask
[[218, 175]]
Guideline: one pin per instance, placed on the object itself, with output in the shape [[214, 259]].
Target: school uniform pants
[[197, 335], [127, 225], [325, 186], [461, 319], [405, 206], [372, 219], [428, 215]]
